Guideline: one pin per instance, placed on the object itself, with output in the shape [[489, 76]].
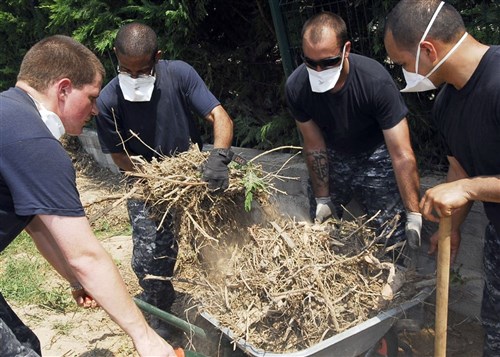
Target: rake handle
[[442, 286]]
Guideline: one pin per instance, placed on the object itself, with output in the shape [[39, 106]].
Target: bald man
[[356, 139], [429, 40], [158, 100]]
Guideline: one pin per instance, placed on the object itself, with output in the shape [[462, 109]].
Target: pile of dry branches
[[291, 285], [281, 285], [173, 185]]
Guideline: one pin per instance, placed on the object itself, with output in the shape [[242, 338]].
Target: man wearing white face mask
[[356, 138], [155, 99], [428, 38], [55, 93]]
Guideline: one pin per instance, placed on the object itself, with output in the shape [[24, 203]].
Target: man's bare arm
[[316, 157], [404, 163]]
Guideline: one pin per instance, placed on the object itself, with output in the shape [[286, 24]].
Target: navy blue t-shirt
[[165, 123], [469, 120], [352, 119], [36, 173]]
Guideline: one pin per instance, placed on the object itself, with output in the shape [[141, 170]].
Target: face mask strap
[[343, 54], [426, 32], [450, 52]]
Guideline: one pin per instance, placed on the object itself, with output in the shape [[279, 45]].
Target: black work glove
[[215, 170]]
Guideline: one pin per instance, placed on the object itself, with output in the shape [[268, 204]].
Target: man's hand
[[444, 199], [454, 244], [413, 228], [82, 298], [215, 170], [324, 209], [151, 344]]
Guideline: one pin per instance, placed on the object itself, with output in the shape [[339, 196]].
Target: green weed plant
[[253, 182]]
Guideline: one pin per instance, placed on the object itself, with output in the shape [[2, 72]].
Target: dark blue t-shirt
[[469, 120], [352, 119], [165, 123], [36, 173]]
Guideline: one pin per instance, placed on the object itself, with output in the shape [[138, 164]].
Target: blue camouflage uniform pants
[[16, 339], [368, 178], [154, 253], [490, 307]]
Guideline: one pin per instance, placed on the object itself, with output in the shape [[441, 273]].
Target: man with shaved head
[[355, 135], [155, 99], [429, 40]]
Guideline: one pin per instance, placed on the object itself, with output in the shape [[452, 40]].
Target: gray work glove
[[324, 209], [215, 171], [413, 228]]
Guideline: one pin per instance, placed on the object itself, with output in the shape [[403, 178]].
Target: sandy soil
[[86, 333]]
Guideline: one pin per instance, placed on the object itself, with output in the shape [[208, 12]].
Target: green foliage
[[24, 274], [96, 22], [22, 24], [233, 46], [264, 135], [103, 228], [253, 183], [483, 21]]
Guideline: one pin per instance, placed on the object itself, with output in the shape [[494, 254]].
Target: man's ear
[[428, 49], [64, 88], [158, 56], [347, 48]]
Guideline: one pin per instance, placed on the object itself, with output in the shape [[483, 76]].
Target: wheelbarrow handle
[[171, 319], [442, 286]]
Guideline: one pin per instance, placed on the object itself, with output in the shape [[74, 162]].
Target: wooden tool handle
[[442, 286]]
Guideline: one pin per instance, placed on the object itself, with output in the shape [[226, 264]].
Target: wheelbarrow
[[374, 337]]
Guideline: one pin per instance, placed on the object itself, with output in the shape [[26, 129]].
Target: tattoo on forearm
[[318, 163]]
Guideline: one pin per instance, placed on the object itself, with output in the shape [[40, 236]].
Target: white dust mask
[[326, 79], [50, 119], [136, 89], [416, 82]]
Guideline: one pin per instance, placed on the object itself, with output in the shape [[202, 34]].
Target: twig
[[102, 199], [276, 173], [362, 226], [197, 226], [289, 242], [177, 182], [118, 132], [328, 303], [272, 150], [142, 142], [107, 209]]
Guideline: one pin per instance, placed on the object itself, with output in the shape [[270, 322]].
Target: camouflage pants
[[154, 253], [16, 339], [368, 178], [490, 308]]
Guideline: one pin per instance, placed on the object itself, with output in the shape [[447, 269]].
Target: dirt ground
[[86, 333]]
